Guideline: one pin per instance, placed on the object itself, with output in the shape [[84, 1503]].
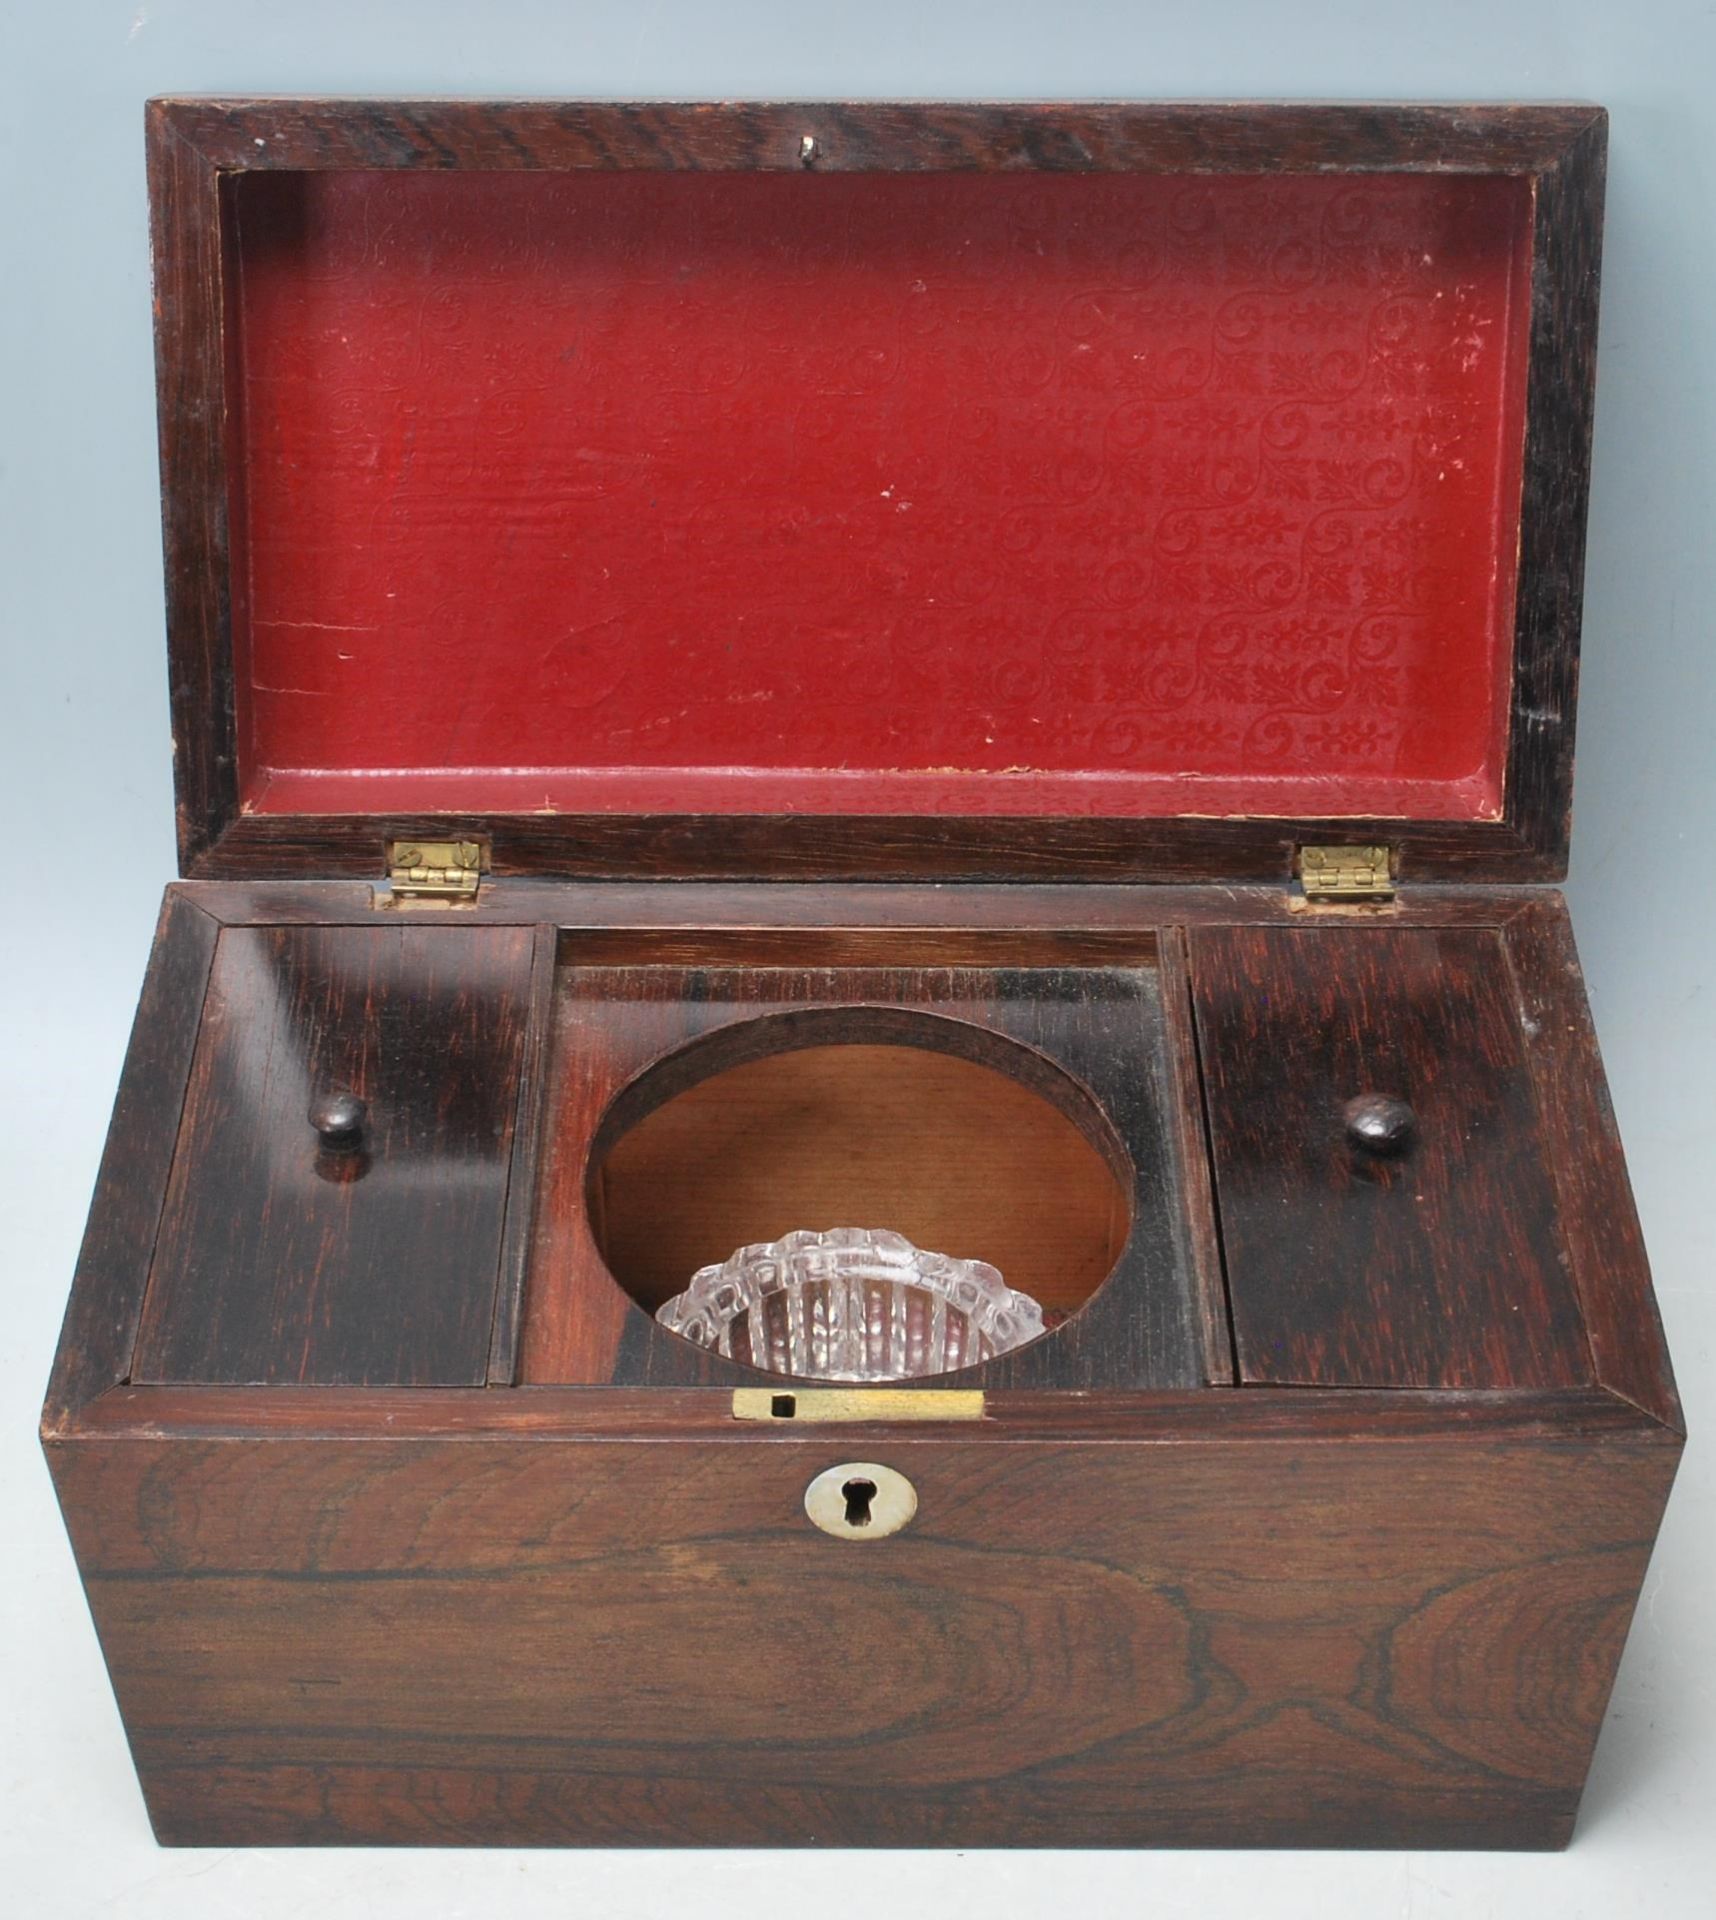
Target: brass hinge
[[429, 873], [1346, 873]]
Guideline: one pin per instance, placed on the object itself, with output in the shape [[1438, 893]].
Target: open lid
[[982, 490]]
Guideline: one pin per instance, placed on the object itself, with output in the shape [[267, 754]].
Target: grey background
[[87, 811]]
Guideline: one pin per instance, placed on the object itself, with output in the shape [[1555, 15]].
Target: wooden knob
[[1378, 1123], [338, 1118]]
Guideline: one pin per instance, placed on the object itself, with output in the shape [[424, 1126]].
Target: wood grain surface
[[1556, 483], [1193, 136], [831, 923], [1300, 1616], [1443, 1267], [1089, 1040], [277, 1261], [100, 1328], [1582, 1144], [1324, 1637], [526, 1158]]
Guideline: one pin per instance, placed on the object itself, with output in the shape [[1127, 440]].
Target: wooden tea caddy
[[983, 670]]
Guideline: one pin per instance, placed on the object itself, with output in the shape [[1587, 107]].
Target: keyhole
[[860, 1500]]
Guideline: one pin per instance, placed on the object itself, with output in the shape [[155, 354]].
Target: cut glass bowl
[[852, 1304]]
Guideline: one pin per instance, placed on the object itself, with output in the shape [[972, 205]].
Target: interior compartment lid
[[1139, 491]]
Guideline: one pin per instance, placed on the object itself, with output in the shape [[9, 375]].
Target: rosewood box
[[998, 673]]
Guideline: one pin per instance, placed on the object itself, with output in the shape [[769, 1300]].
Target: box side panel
[[100, 1327], [1243, 1640], [1605, 1244]]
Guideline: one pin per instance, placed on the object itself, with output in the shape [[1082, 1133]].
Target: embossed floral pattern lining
[[872, 493]]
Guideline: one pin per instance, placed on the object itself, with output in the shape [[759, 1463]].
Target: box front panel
[[1368, 1641]]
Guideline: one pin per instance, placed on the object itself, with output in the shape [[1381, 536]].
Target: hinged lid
[[1139, 492]]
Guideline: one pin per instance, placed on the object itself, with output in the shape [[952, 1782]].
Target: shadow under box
[[1018, 1115]]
